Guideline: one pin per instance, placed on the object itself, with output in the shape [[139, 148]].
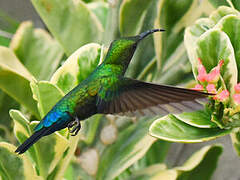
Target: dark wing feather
[[137, 97]]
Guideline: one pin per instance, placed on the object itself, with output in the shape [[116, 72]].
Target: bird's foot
[[74, 126]]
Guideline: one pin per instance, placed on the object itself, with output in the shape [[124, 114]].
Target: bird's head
[[121, 50]]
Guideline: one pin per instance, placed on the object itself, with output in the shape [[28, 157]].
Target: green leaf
[[145, 51], [4, 41], [131, 145], [71, 22], [192, 34], [135, 9], [112, 25], [213, 46], [90, 127], [59, 170], [54, 145], [230, 24], [46, 94], [36, 50], [100, 9], [236, 4], [22, 131], [176, 64], [236, 141], [201, 119], [13, 166], [201, 25], [221, 12], [174, 17], [7, 23], [79, 173], [6, 103], [20, 124], [158, 152], [201, 165], [15, 80], [150, 171], [217, 3], [77, 67], [170, 128]]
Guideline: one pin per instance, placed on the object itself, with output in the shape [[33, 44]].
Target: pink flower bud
[[214, 75], [223, 96], [202, 74], [236, 98], [237, 88], [211, 88], [198, 87]]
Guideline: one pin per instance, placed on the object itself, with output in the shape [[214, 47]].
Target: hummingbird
[[107, 91]]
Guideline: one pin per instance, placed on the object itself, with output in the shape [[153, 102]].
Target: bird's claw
[[74, 127]]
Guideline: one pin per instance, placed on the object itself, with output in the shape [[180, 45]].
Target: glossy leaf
[[112, 25], [46, 94], [15, 80], [145, 50], [66, 158], [230, 24], [135, 9], [6, 103], [69, 22], [235, 136], [77, 67], [174, 17], [170, 128], [55, 145], [201, 119], [150, 171], [8, 23], [217, 3], [221, 12], [4, 41], [37, 50], [236, 4], [90, 128], [168, 15], [193, 34], [201, 165], [13, 166], [131, 145], [100, 9], [213, 46]]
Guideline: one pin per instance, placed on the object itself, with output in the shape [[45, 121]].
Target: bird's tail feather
[[31, 140]]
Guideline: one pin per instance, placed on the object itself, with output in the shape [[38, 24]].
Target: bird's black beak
[[144, 34]]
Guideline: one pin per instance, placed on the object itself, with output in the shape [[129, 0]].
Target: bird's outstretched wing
[[129, 96]]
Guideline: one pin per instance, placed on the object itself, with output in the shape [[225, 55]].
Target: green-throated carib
[[107, 91]]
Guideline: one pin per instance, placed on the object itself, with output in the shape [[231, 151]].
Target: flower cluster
[[209, 82], [236, 96]]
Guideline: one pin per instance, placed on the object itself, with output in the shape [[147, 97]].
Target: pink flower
[[236, 98], [211, 88], [198, 87], [237, 88], [214, 75], [202, 74], [223, 96]]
